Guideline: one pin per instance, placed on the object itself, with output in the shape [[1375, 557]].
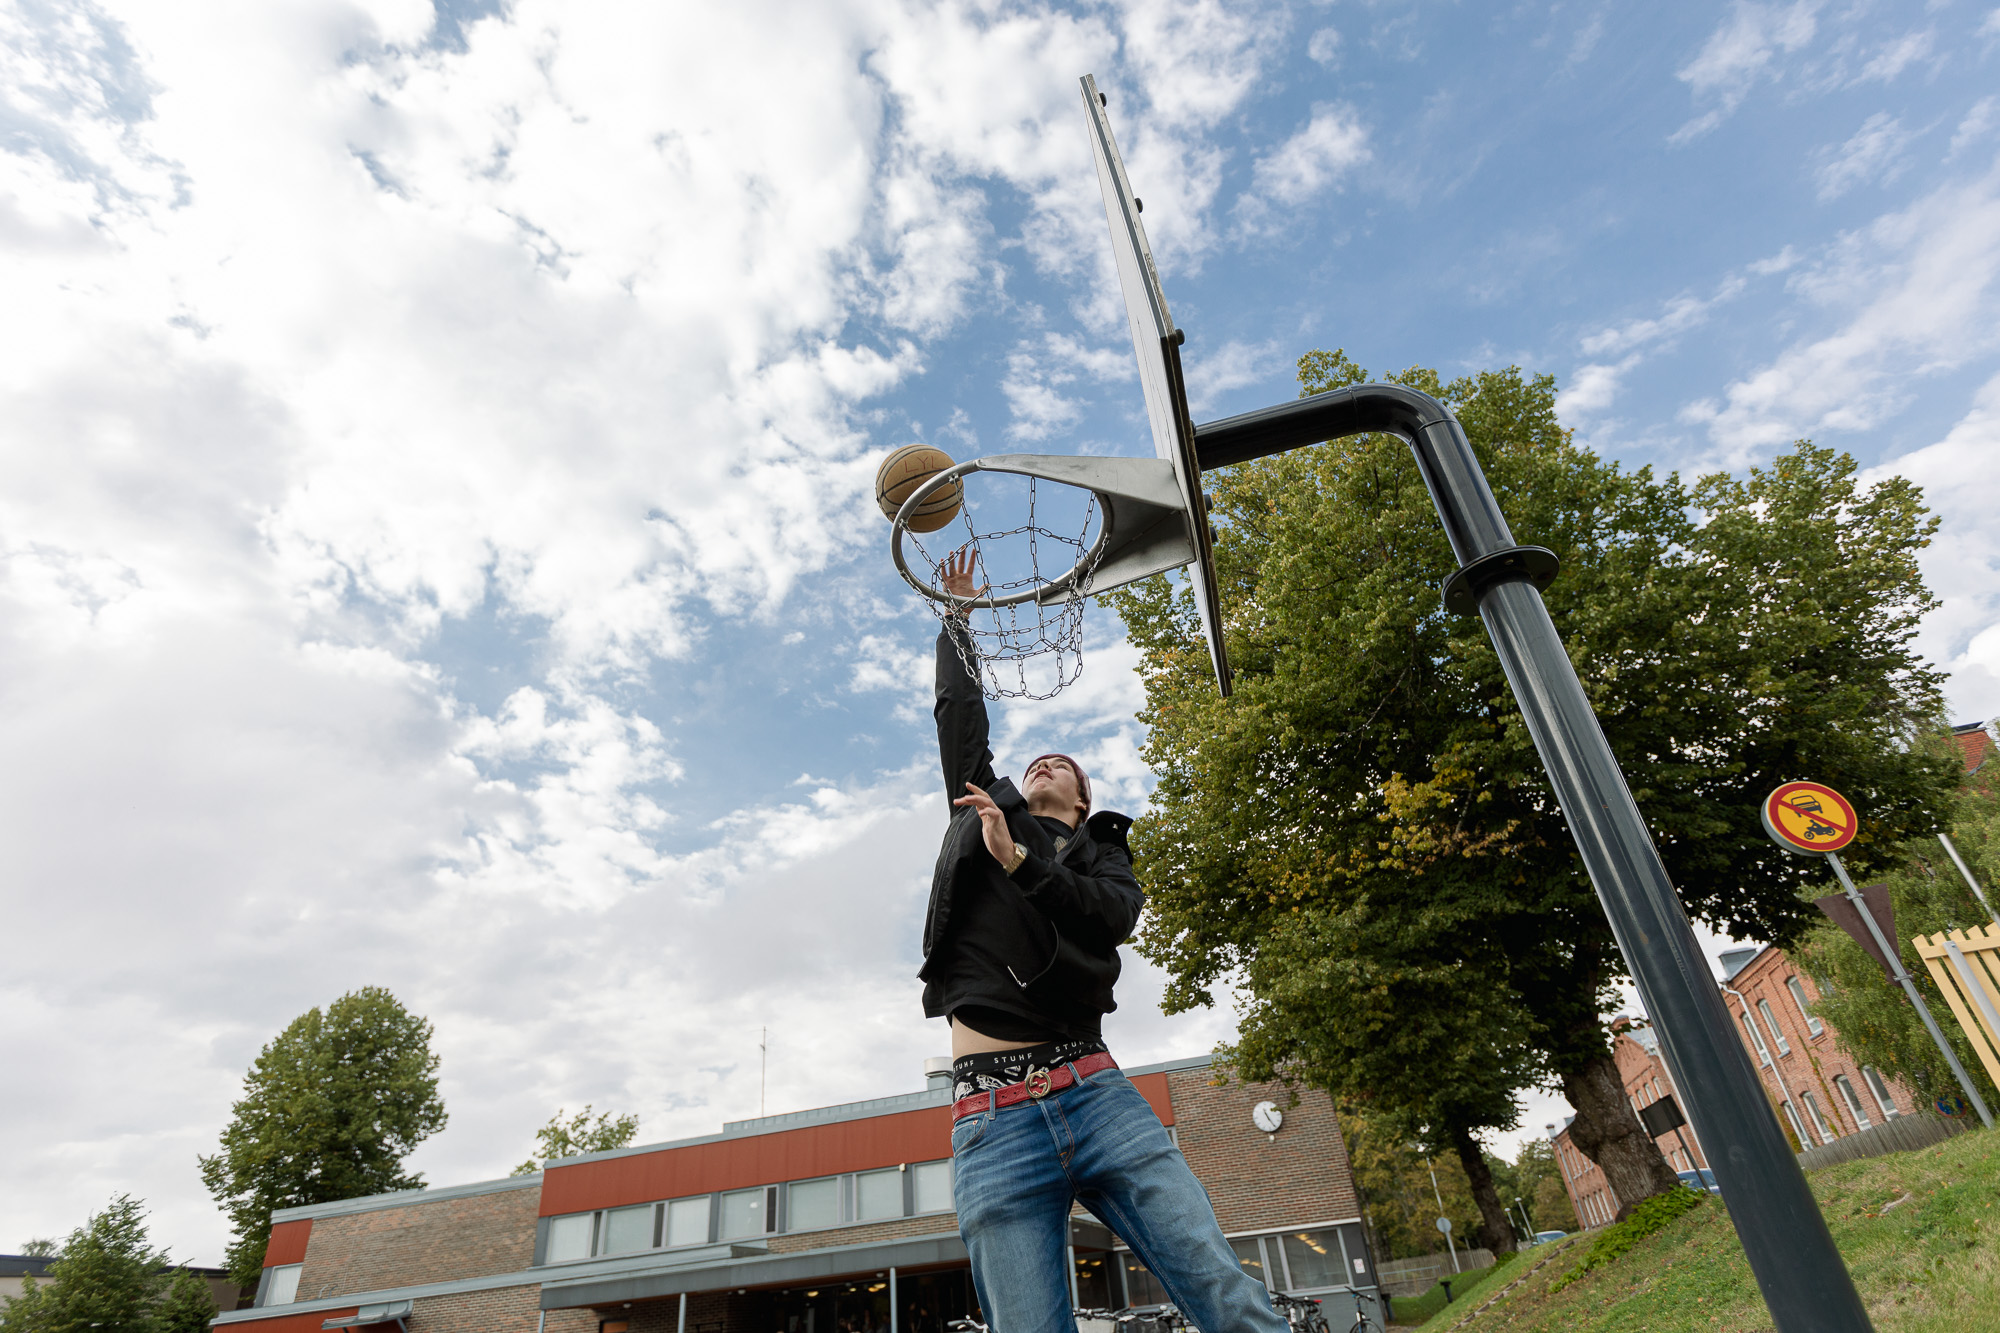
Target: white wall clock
[[1267, 1116]]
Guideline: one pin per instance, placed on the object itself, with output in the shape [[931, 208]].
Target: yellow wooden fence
[[1966, 966]]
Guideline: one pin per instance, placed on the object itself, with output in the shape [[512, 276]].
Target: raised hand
[[999, 841], [958, 571]]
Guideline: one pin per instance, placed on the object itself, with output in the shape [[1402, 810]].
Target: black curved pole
[[1805, 1284]]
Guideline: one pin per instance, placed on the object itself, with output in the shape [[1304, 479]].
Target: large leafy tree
[[329, 1110], [109, 1277], [580, 1133], [1370, 797]]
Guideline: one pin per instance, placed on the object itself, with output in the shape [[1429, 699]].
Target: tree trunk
[[1496, 1232], [1608, 1132]]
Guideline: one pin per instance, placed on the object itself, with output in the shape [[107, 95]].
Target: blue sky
[[438, 542]]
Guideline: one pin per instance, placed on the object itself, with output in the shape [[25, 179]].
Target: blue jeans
[[1016, 1173]]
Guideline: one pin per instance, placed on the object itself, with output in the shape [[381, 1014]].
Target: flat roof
[[732, 1129]]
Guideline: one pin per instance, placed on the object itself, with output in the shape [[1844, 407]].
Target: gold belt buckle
[[1038, 1083]]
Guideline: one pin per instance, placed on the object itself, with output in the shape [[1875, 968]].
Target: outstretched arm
[[960, 710]]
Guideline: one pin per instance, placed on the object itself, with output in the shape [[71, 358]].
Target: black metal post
[[1805, 1284]]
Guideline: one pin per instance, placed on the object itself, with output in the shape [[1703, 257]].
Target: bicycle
[[1306, 1315]]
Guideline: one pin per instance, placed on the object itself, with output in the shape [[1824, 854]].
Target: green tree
[[1372, 763], [329, 1111], [1394, 1176], [1877, 1025], [188, 1306], [41, 1248], [577, 1135], [108, 1278]]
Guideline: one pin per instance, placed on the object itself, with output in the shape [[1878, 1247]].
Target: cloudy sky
[[437, 438]]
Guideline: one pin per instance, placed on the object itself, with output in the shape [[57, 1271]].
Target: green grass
[[1929, 1265]]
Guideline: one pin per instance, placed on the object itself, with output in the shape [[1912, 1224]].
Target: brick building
[[1818, 1091], [834, 1220]]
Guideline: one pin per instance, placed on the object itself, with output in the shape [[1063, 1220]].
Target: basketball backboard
[[1156, 344]]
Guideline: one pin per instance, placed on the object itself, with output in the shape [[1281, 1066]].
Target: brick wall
[[1646, 1081], [1255, 1180], [1590, 1193], [420, 1242], [1813, 1060]]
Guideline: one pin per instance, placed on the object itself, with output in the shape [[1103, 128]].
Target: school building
[[834, 1220]]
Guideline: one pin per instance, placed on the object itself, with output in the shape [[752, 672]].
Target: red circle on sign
[[1809, 817]]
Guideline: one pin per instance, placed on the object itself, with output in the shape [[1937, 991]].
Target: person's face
[[1052, 782]]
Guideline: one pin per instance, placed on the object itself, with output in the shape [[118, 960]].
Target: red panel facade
[[288, 1243], [767, 1159]]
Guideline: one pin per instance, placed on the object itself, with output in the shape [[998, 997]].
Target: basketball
[[905, 470]]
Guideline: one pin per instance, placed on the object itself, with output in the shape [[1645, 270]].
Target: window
[[878, 1194], [813, 1203], [687, 1222], [627, 1230], [1756, 1037], [1141, 1287], [1313, 1259], [569, 1237], [1250, 1254], [931, 1185], [1881, 1091], [1798, 1130], [1853, 1100], [1771, 1021], [1813, 1025], [1817, 1116], [284, 1288], [743, 1214]]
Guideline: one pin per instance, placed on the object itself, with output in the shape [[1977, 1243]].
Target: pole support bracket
[[1535, 564]]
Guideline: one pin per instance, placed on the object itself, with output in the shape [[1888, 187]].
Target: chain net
[[1032, 649]]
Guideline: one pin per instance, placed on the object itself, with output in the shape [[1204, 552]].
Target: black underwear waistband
[[990, 1070]]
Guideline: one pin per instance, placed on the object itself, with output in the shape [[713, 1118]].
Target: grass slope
[[1931, 1262]]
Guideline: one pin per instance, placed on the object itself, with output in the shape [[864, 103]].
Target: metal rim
[[1038, 593]]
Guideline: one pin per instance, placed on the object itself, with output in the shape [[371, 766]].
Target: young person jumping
[[1027, 911]]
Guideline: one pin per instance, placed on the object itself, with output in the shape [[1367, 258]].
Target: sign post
[[1810, 819]]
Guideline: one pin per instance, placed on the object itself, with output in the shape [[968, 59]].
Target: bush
[[1647, 1216]]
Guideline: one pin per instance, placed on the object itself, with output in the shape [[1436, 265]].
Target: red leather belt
[[1038, 1084]]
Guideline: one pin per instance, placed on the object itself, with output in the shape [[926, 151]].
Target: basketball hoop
[[1033, 575]]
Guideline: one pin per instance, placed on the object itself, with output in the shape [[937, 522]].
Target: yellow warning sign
[[1809, 817]]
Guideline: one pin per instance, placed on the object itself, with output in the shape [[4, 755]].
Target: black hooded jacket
[[1043, 942]]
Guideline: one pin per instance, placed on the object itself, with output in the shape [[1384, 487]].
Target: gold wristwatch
[[1019, 857]]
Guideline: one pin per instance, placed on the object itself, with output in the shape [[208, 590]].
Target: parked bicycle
[[1307, 1315]]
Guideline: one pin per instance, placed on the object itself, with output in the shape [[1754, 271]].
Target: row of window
[[1291, 1261], [1813, 1025], [1824, 1128], [709, 1219]]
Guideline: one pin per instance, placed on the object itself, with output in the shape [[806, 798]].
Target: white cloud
[[1318, 157], [1232, 366], [1324, 47], [1876, 154], [1741, 51], [1897, 56], [328, 341], [1913, 294], [1592, 388], [1976, 124], [1960, 475]]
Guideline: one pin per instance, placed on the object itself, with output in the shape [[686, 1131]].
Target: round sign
[[1444, 1225], [1267, 1116], [1810, 818]]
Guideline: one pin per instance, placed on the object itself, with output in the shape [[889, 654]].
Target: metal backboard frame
[[1157, 345]]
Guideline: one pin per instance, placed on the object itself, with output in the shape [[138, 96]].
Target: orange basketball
[[905, 470]]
